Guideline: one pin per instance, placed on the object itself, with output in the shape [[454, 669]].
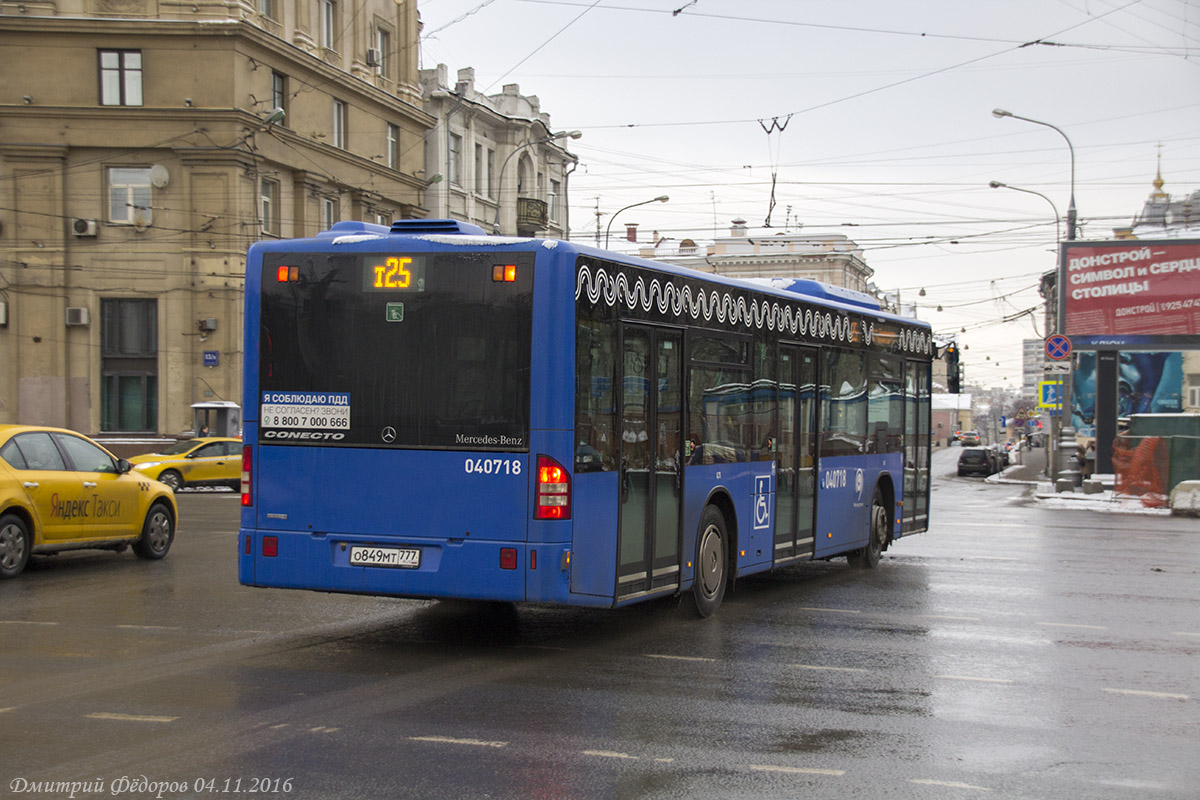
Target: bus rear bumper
[[446, 568]]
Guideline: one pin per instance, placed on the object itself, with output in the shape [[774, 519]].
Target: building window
[[129, 365], [129, 195], [328, 212], [383, 219], [555, 192], [339, 124], [1193, 390], [383, 43], [328, 24], [267, 8], [279, 93], [455, 165], [480, 175], [491, 173], [269, 192], [120, 77], [393, 146]]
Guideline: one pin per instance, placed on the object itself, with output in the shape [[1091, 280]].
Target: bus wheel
[[712, 559], [869, 556]]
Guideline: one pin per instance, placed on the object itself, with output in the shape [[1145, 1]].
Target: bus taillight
[[553, 500], [247, 462]]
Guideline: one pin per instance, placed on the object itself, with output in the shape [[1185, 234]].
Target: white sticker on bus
[[313, 411]]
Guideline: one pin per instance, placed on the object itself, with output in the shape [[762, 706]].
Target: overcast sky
[[880, 125]]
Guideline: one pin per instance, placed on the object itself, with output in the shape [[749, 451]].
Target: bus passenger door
[[651, 473], [796, 452]]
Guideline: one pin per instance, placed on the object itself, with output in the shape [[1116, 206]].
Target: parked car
[[970, 438], [209, 461], [1001, 452], [976, 461], [59, 490]]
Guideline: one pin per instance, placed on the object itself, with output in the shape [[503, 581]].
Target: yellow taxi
[[210, 461], [59, 490]]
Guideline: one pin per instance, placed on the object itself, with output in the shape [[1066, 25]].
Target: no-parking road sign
[[1058, 347]]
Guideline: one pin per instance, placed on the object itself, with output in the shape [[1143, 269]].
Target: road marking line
[[150, 627], [664, 760], [23, 622], [452, 740], [322, 729], [946, 616], [1184, 633], [831, 610], [6, 710], [949, 784], [1144, 693], [973, 678], [797, 770], [1073, 625], [678, 658], [610, 754], [829, 669], [128, 717]]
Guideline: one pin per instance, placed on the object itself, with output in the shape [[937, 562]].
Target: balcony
[[531, 216]]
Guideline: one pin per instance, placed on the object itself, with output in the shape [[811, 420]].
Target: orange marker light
[[510, 273]]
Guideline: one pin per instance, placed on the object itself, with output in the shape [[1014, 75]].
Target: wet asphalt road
[[1012, 651]]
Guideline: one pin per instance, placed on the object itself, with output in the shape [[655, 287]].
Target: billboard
[[1147, 383], [1130, 293]]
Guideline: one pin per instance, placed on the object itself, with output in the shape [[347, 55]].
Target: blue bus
[[431, 412]]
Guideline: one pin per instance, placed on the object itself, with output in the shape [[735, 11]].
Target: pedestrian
[[203, 431], [1089, 460]]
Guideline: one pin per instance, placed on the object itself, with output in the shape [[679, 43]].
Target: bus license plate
[[403, 558]]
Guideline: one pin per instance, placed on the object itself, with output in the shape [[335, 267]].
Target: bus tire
[[712, 563], [869, 556]]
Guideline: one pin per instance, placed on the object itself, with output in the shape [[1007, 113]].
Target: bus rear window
[[396, 350]]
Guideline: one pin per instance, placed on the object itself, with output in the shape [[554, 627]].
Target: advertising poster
[[1127, 293], [1147, 383]]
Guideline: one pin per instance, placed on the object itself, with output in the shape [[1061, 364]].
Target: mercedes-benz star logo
[[389, 434]]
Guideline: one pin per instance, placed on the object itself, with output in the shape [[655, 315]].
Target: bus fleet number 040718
[[493, 466]]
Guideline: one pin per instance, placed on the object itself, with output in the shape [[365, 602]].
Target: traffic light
[[953, 371]]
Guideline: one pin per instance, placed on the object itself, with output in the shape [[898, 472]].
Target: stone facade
[[829, 258], [143, 147], [494, 160]]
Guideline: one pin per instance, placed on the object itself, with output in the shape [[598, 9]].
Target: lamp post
[[1068, 472], [1000, 113], [1057, 227], [662, 198], [1052, 464], [500, 179]]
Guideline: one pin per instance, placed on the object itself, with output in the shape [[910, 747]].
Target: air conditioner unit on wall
[[374, 57], [78, 315], [84, 227]]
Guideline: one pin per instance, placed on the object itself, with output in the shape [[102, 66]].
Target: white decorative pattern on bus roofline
[[773, 315]]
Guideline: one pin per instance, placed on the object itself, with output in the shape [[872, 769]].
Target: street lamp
[[1057, 230], [500, 179], [1064, 460], [1000, 113], [662, 198]]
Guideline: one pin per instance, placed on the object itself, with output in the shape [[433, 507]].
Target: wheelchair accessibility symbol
[[762, 502]]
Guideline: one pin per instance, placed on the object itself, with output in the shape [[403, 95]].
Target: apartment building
[[143, 147]]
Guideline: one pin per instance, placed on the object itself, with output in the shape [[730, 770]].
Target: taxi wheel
[[173, 479], [157, 533], [14, 545]]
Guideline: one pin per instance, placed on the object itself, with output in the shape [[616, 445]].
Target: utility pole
[[599, 214]]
